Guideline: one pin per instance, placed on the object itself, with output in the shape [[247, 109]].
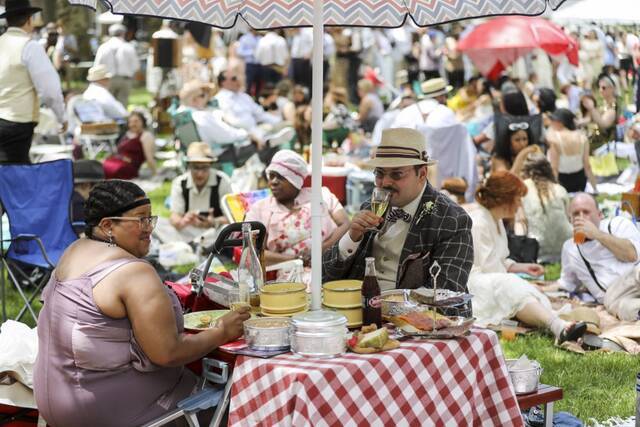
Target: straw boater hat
[[401, 147], [97, 73], [194, 87], [435, 87], [19, 7], [199, 152]]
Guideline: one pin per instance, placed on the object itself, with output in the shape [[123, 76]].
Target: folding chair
[[215, 390], [36, 199], [235, 206]]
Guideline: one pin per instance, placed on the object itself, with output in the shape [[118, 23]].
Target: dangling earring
[[111, 242]]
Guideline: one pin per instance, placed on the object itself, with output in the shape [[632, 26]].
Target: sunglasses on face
[[518, 126], [395, 175]]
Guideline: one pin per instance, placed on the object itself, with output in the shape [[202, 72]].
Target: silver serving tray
[[460, 327]]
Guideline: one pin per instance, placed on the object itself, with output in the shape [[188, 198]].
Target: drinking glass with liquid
[[380, 199]]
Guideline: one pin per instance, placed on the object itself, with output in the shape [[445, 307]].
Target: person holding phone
[[196, 194]]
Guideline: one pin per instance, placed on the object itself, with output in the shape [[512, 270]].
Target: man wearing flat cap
[[420, 227], [27, 79]]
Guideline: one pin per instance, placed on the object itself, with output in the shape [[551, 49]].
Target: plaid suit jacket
[[441, 233]]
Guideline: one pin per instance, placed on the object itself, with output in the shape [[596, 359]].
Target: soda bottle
[[371, 306]]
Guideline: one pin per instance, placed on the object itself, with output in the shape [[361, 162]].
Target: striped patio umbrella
[[265, 14]]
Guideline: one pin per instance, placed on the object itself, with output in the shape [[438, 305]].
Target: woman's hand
[[231, 323], [527, 268]]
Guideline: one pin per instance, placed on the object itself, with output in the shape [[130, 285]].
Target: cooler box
[[335, 179], [359, 187]]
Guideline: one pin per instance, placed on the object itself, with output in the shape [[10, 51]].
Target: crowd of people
[[468, 163]]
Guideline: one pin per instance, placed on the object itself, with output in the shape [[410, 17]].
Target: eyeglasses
[[518, 126], [143, 221], [395, 175]]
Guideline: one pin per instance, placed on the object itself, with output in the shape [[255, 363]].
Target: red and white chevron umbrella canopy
[[262, 14]]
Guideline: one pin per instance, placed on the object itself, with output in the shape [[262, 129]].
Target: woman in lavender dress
[[111, 344]]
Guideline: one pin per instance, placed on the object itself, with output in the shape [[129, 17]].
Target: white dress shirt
[[45, 78], [119, 56], [272, 49], [240, 110], [111, 107], [302, 44], [214, 130], [605, 265], [387, 246]]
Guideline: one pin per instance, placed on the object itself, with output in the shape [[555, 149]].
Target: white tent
[[600, 11]]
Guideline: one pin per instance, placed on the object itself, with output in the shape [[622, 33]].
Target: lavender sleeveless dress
[[90, 371]]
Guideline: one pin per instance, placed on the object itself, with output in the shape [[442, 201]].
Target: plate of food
[[370, 340], [401, 301], [202, 320], [423, 324]]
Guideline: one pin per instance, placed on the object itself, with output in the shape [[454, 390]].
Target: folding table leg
[[222, 405], [548, 414]]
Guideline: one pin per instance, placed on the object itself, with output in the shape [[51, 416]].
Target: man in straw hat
[[99, 80], [27, 79], [420, 226], [196, 194], [431, 109]]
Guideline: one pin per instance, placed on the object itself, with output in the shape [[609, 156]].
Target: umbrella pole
[[316, 155]]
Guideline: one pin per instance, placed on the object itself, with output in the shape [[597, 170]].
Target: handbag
[[523, 248]]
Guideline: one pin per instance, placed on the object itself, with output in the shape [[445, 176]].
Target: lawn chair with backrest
[[37, 200], [186, 132], [94, 130]]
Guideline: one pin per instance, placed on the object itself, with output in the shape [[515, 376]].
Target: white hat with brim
[[435, 87], [97, 73], [401, 147], [199, 152]]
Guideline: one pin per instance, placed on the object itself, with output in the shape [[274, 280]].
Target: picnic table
[[461, 381]]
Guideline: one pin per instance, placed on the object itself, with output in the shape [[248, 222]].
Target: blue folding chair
[[37, 200]]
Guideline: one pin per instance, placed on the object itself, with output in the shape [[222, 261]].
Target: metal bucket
[[524, 381]]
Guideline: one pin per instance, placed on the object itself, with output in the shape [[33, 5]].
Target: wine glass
[[380, 202]]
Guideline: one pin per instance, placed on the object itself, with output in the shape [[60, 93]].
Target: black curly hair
[[108, 197]]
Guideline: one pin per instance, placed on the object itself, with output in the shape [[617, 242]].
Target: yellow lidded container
[[283, 298], [342, 293], [353, 314]]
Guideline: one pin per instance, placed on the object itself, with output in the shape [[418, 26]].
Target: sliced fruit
[[375, 339]]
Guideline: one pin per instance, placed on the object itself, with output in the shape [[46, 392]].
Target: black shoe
[[573, 332]]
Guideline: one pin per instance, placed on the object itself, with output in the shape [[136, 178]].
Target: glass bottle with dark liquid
[[371, 305]]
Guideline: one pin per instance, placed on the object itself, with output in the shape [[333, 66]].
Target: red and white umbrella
[[494, 45], [264, 14]]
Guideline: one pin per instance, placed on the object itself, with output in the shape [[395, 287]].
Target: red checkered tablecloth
[[462, 382]]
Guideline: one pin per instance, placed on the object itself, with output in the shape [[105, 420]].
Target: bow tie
[[398, 214]]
